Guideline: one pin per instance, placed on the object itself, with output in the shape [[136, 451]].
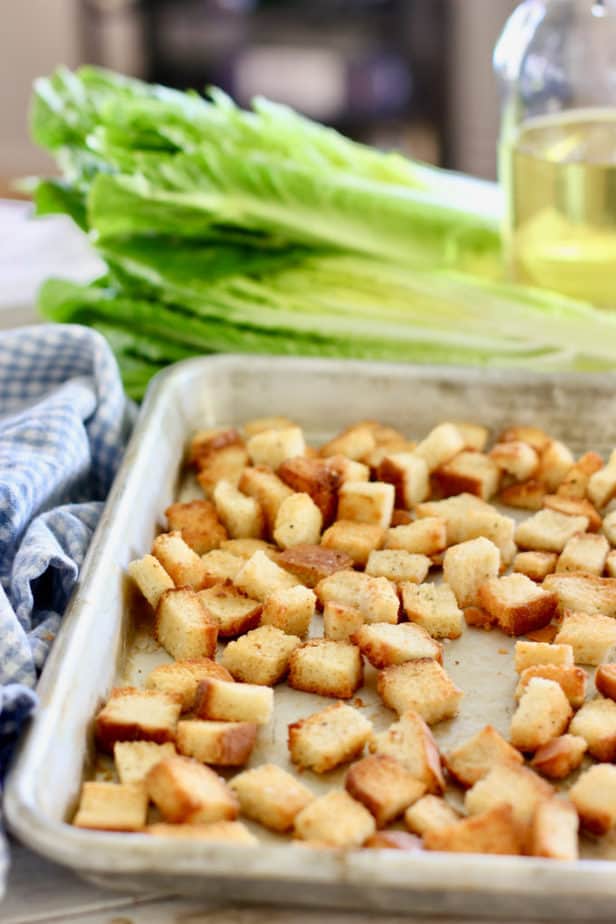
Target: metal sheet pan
[[99, 646]]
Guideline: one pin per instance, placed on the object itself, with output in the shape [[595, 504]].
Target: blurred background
[[410, 74]]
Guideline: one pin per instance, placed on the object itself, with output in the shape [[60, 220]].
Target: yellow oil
[[560, 178]]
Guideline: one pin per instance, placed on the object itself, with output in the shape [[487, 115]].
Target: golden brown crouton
[[312, 563], [396, 565], [383, 644], [328, 738], [198, 524], [517, 603], [412, 744], [471, 472], [290, 609], [112, 807], [554, 830], [346, 469], [234, 702], [573, 680], [543, 713], [475, 758], [491, 832], [466, 566], [131, 715], [260, 576], [374, 597], [468, 517], [422, 686], [534, 436], [271, 796], [220, 565], [183, 677], [477, 618], [340, 621], [605, 680], [184, 625], [556, 461], [298, 522], [442, 443], [574, 507], [549, 530], [356, 540], [179, 561], [585, 593], [409, 475], [422, 537], [526, 495], [594, 796], [586, 552], [575, 482], [206, 443], [261, 656], [184, 790], [259, 424], [506, 784], [596, 724], [151, 578], [592, 637], [535, 565], [560, 756], [516, 459], [262, 484], [529, 653], [218, 832], [384, 786], [610, 564], [430, 813], [326, 667], [366, 502], [335, 819], [434, 607], [609, 527], [218, 454], [394, 840], [354, 442], [273, 447], [315, 478], [134, 759], [227, 744], [602, 484], [241, 515], [233, 612]]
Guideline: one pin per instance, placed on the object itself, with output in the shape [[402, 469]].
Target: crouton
[[267, 489], [273, 447], [545, 634], [112, 807], [422, 537], [573, 680], [346, 469], [220, 565], [185, 791], [535, 565], [560, 756], [260, 576], [422, 686], [554, 830], [179, 561], [151, 578], [543, 713], [574, 507], [517, 603], [328, 738], [240, 514], [610, 564], [586, 552], [549, 530], [575, 482], [412, 744], [227, 744], [134, 759], [466, 566], [246, 548], [315, 478], [130, 715], [394, 840], [397, 566], [312, 563], [471, 472], [384, 644], [525, 495], [354, 442], [556, 461], [384, 786], [440, 446], [592, 637], [434, 607], [183, 677], [534, 436], [491, 832], [233, 612], [326, 667], [271, 796], [529, 653], [198, 524], [430, 813], [335, 819], [595, 722], [261, 656], [594, 796], [374, 458], [475, 436], [516, 459], [409, 475], [356, 540], [609, 527], [401, 518], [234, 702], [184, 625], [259, 424], [374, 597], [605, 680], [366, 502], [298, 522], [218, 832], [218, 454], [602, 484], [477, 618], [340, 622], [475, 758], [290, 609], [511, 785], [207, 443], [585, 593], [468, 517]]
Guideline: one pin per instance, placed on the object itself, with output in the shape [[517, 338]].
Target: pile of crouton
[[301, 565]]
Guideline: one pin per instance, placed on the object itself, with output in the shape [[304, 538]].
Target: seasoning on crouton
[[525, 495], [609, 527], [112, 807], [605, 680], [356, 540], [185, 791], [261, 656], [529, 653], [312, 563], [271, 796], [556, 461], [535, 565], [430, 813], [585, 593], [549, 530], [595, 722], [442, 443], [602, 484], [233, 612], [241, 515], [227, 744], [353, 442], [543, 713], [335, 819], [134, 759], [506, 784], [298, 522], [491, 832], [374, 597], [234, 702], [517, 603], [273, 447], [586, 552], [421, 537], [220, 565], [560, 756], [475, 758], [198, 524], [575, 482], [421, 685], [534, 436], [259, 424], [554, 830], [574, 507], [384, 786], [262, 484], [151, 578], [179, 561], [183, 677], [396, 566], [383, 644], [592, 637], [366, 502], [394, 840], [328, 738], [340, 621], [516, 459], [290, 609], [326, 667], [468, 517], [184, 625], [471, 472], [130, 715], [315, 478], [594, 796], [573, 680], [412, 744], [260, 576], [434, 607], [218, 832], [466, 566], [409, 475]]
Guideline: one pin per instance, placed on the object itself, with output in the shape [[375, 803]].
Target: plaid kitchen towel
[[64, 421]]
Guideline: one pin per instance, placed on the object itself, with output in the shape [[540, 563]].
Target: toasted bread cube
[[261, 656], [112, 807], [384, 786], [609, 527], [471, 472], [560, 756], [262, 484], [434, 607], [586, 552], [490, 832], [207, 443], [546, 634], [574, 507], [273, 447], [184, 626], [260, 576], [134, 759], [220, 565], [328, 738], [475, 436], [556, 461], [573, 680], [430, 813], [151, 578], [602, 484], [259, 424], [290, 609], [585, 593], [185, 791], [315, 478], [442, 443], [357, 540], [298, 522], [366, 502], [327, 668], [475, 758], [516, 459], [374, 597], [246, 548], [354, 442], [218, 832], [234, 702], [594, 796], [549, 530], [525, 495], [340, 622], [575, 482], [529, 653], [408, 474], [468, 517], [384, 644], [336, 820], [374, 458], [477, 618], [422, 686], [227, 744], [543, 713], [592, 637], [198, 524], [397, 566], [183, 565], [506, 784], [233, 613], [610, 564], [596, 724], [517, 603], [394, 840], [534, 436], [422, 537], [183, 677], [312, 563], [535, 565], [466, 566], [240, 514], [218, 454], [412, 744], [271, 796], [346, 469], [605, 680], [130, 715]]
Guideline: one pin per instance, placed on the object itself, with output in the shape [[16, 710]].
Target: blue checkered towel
[[64, 421]]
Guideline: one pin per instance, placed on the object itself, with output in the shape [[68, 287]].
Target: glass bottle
[[556, 61]]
